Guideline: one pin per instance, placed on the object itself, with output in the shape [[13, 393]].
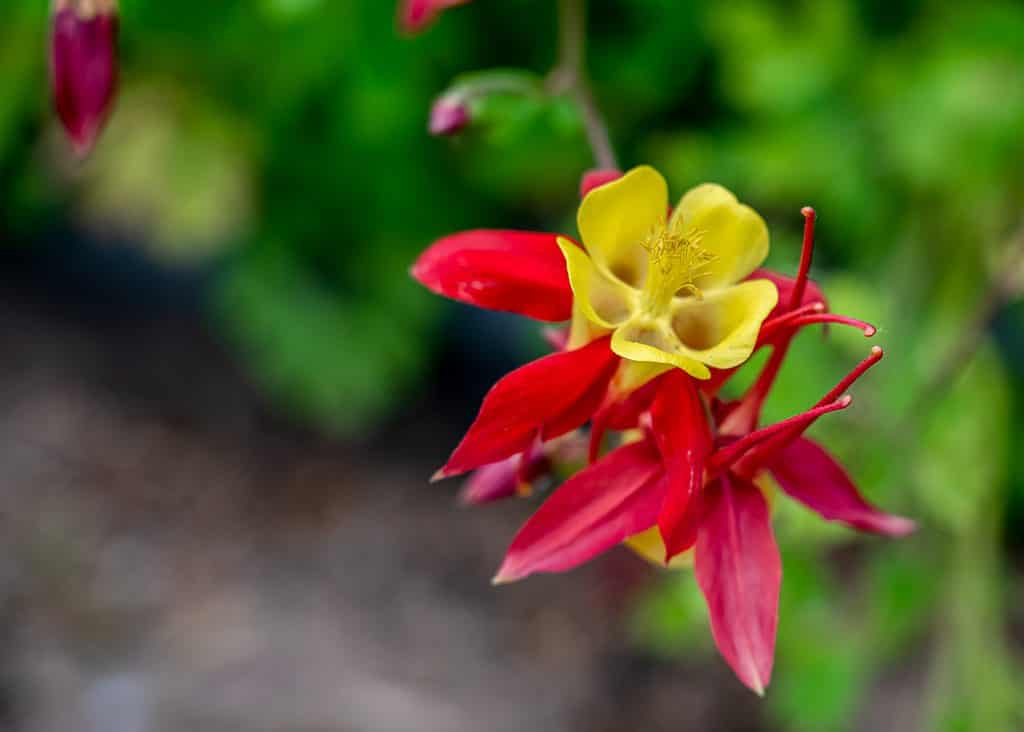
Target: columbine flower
[[415, 15], [692, 488], [669, 288], [674, 283], [663, 308], [83, 66]]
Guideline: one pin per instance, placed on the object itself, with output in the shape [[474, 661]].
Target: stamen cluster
[[679, 258]]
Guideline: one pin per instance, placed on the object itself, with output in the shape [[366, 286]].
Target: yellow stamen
[[676, 259]]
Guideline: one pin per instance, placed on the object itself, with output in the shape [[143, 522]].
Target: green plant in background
[[285, 148]]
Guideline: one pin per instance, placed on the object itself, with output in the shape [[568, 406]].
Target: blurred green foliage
[[283, 144]]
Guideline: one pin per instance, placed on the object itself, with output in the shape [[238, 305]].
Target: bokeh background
[[222, 394]]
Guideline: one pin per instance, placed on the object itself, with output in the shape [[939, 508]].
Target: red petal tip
[[809, 474], [897, 526], [501, 578], [440, 475], [739, 571]]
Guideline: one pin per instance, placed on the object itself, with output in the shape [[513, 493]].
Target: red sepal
[[515, 271], [552, 395], [680, 427], [620, 413], [739, 571], [593, 511], [492, 482], [807, 473], [506, 478]]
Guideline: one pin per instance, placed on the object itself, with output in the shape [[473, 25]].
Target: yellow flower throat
[[675, 260]]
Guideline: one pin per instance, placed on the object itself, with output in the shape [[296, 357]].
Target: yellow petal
[[631, 375], [582, 330], [732, 232], [615, 218], [721, 329], [603, 300], [652, 341], [648, 544]]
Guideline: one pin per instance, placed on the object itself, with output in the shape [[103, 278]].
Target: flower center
[[675, 259]]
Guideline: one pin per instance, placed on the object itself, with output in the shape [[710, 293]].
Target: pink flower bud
[[83, 66], [415, 15], [448, 117], [597, 177]]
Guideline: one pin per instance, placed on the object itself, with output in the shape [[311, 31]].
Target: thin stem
[[570, 77]]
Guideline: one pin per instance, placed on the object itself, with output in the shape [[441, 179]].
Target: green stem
[[570, 77]]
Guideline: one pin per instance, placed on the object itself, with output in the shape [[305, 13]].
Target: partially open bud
[[83, 66]]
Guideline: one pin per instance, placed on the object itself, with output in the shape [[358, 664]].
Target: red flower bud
[[83, 66], [597, 177], [448, 117], [415, 15]]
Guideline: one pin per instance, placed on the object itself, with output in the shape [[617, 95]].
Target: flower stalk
[[570, 78]]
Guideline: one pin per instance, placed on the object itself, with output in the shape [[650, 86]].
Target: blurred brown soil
[[176, 557]]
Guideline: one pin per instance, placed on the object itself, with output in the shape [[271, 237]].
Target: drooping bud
[[448, 116], [488, 99], [415, 15], [84, 67]]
